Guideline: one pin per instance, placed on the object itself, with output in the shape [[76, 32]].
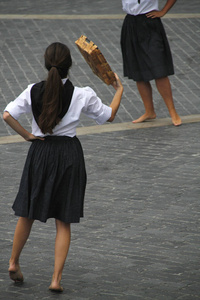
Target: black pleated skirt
[[53, 181], [145, 49]]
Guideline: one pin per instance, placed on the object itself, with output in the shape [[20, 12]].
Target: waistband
[[59, 137]]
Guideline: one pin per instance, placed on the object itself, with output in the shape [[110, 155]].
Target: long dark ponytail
[[57, 61]]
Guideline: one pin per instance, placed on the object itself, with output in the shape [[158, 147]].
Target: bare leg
[[21, 235], [164, 88], [62, 244], [145, 91]]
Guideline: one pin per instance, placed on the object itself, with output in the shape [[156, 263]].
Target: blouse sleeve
[[95, 109], [21, 105]]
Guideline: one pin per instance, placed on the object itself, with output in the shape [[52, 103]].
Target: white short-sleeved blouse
[[133, 7], [83, 100]]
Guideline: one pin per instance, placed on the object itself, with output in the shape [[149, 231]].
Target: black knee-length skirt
[[145, 49], [53, 181]]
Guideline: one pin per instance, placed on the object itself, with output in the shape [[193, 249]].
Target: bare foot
[[55, 286], [145, 117], [15, 273], [176, 120]]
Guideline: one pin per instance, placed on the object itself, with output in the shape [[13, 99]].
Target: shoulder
[[84, 93], [84, 90], [26, 93], [29, 87], [84, 97], [36, 87]]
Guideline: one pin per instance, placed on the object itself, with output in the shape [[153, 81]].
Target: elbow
[[6, 116], [112, 117]]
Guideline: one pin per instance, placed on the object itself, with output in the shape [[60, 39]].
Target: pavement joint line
[[97, 129], [86, 17]]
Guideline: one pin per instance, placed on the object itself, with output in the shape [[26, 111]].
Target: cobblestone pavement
[[140, 237]]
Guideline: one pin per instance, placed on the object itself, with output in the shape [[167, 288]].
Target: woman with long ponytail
[[53, 93], [54, 177]]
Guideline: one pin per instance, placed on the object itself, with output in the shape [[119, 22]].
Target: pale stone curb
[[86, 17], [113, 127]]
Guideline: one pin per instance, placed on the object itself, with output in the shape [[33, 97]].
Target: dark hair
[[58, 62]]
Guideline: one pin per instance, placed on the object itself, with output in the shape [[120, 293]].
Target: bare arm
[[160, 13], [14, 124], [117, 97]]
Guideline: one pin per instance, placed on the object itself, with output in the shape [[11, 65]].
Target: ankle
[[56, 278], [14, 265], [13, 261]]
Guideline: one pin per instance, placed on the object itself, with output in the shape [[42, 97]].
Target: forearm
[[116, 103], [160, 13], [15, 125], [168, 6]]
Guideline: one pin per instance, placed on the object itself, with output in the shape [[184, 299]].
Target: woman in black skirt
[[146, 53], [54, 177]]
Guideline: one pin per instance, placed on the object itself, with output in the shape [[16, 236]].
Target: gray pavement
[[140, 237]]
